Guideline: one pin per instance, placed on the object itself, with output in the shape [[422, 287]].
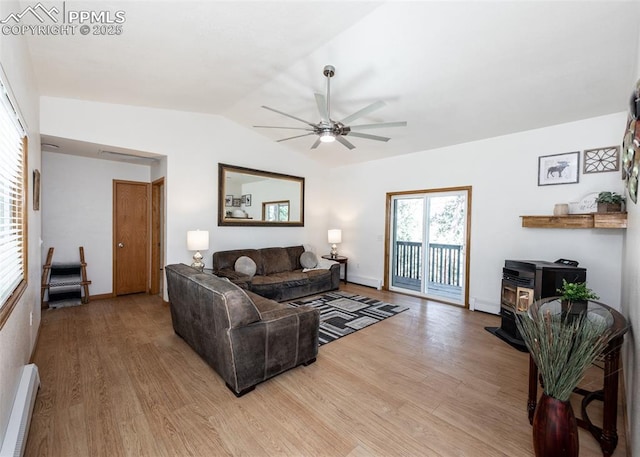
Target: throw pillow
[[308, 260], [245, 265]]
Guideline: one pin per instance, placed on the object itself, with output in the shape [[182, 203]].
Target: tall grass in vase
[[563, 346]]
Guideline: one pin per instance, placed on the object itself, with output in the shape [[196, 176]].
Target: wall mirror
[[259, 198]]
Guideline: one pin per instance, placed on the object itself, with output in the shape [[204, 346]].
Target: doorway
[[157, 237], [427, 250], [131, 237]]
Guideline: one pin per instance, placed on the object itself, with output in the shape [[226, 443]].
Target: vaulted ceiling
[[456, 71]]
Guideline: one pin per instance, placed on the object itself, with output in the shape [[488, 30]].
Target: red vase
[[555, 430]]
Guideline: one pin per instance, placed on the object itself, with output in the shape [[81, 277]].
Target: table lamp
[[334, 236], [198, 240]]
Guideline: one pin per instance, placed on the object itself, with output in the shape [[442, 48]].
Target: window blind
[[12, 200]]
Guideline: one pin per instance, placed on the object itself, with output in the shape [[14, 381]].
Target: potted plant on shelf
[[609, 202], [562, 349]]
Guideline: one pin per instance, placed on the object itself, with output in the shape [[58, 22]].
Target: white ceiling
[[456, 71]]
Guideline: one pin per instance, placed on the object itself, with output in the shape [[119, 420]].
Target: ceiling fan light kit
[[329, 130], [327, 137]]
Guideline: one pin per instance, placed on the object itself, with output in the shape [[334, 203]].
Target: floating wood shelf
[[577, 221]]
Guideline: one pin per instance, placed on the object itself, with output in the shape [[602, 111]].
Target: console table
[[607, 436], [341, 260]]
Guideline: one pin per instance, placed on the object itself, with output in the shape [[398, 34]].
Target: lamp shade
[[198, 240], [334, 236]]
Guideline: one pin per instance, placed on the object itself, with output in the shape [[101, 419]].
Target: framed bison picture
[[559, 169]]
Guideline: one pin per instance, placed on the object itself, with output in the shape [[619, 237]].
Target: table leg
[[533, 389], [609, 438], [345, 272]]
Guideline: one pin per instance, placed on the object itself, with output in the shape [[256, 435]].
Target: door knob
[[120, 245]]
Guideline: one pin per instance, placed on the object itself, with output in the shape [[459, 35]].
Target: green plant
[[562, 348], [609, 197], [576, 291]]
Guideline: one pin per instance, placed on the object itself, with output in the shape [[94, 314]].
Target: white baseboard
[[476, 304], [364, 281], [15, 438]]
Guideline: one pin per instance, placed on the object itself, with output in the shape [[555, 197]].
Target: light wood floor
[[117, 381]]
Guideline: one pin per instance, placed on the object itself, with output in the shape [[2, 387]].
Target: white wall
[[17, 337], [503, 174], [630, 309], [77, 208], [194, 144], [630, 305]]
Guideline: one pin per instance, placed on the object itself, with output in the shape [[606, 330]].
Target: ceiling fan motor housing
[[329, 71]]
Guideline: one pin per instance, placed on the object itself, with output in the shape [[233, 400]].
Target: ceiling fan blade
[[316, 144], [342, 140], [321, 101], [380, 125], [369, 137], [288, 115], [278, 127], [363, 112], [292, 137]]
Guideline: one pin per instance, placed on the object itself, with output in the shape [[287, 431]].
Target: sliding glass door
[[427, 251]]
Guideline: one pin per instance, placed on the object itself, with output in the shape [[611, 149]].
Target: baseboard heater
[[365, 281], [15, 439]]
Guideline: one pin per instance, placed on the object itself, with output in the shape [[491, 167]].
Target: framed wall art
[[601, 160], [237, 202], [246, 200], [559, 169], [632, 181], [228, 200]]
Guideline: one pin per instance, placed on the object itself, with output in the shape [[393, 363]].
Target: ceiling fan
[[329, 130]]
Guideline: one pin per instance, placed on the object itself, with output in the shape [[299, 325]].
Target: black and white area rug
[[342, 313]]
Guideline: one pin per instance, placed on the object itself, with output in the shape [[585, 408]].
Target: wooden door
[[157, 235], [131, 237]]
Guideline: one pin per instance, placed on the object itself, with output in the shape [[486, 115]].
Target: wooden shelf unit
[[577, 221]]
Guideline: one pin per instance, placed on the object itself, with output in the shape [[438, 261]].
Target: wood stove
[[524, 281]]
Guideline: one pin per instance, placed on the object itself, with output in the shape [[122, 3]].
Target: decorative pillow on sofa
[[245, 265], [308, 259]]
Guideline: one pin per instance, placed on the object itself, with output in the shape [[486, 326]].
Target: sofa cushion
[[223, 260], [275, 260], [317, 273], [294, 256], [308, 259], [245, 265]]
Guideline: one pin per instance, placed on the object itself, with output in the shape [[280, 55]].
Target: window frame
[[9, 305], [279, 205]]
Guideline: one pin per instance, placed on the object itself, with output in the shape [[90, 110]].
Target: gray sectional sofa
[[244, 337]]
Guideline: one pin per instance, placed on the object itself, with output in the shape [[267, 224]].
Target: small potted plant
[[574, 296], [609, 202]]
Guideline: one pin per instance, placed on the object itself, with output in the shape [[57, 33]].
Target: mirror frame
[[222, 180]]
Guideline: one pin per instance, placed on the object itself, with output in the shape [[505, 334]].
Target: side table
[[607, 435], [341, 260]]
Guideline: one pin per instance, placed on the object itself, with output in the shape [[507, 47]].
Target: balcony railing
[[444, 265]]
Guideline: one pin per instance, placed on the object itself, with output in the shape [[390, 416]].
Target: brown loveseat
[[245, 338], [279, 274]]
